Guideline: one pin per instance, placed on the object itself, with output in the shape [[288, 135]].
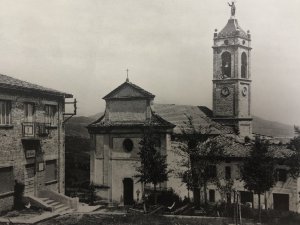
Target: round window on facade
[[127, 145]]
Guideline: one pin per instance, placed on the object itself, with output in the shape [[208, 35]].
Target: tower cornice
[[231, 80], [235, 45], [234, 36]]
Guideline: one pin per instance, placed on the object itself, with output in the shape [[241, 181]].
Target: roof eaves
[[48, 92]]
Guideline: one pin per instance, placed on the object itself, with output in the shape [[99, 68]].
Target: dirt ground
[[94, 219]]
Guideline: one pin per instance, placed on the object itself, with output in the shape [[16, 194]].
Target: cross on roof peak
[[127, 78]]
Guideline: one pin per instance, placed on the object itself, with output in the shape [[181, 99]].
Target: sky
[[84, 47]]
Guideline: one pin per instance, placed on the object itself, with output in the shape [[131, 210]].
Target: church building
[[115, 141], [130, 110]]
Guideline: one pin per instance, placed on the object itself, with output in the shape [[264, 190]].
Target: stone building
[[32, 139]]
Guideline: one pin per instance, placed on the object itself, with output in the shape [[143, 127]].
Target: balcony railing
[[32, 129]]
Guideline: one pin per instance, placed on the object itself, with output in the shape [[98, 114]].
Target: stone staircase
[[57, 207]]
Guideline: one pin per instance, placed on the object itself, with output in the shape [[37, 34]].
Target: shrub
[[165, 198]]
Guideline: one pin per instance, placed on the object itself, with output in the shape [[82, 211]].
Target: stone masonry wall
[[12, 152]]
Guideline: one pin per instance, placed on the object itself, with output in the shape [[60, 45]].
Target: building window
[[5, 112], [227, 172], [244, 65], [226, 64], [246, 197], [228, 198], [50, 114], [127, 145], [51, 171], [157, 142], [281, 202], [211, 172], [6, 180], [29, 112], [212, 197], [281, 175]]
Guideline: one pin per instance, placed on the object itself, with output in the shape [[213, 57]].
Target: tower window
[[244, 65], [226, 64]]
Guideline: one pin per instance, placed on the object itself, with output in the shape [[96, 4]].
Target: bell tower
[[232, 77]]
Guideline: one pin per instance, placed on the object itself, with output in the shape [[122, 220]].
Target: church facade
[[115, 141]]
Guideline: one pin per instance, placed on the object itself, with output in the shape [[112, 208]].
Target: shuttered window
[[5, 112], [50, 111], [51, 171], [6, 180], [29, 112]]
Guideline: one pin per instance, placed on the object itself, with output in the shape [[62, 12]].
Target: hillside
[[271, 128], [77, 127]]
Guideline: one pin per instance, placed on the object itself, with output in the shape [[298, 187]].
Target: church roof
[[232, 29], [16, 84], [135, 91], [201, 118], [174, 116], [155, 121]]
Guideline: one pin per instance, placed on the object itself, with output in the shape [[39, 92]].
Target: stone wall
[[12, 151], [224, 105]]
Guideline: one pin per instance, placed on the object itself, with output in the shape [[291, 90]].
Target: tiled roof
[[134, 86], [280, 151], [235, 149], [175, 115], [155, 121], [13, 83], [178, 115], [232, 29]]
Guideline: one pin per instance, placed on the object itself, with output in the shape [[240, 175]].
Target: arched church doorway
[[128, 191]]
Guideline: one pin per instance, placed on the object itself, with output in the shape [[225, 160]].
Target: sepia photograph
[[149, 112]]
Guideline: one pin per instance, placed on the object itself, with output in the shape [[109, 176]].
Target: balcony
[[32, 129]]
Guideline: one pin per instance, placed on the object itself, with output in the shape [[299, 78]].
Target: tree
[[293, 161], [153, 168], [198, 149], [258, 170]]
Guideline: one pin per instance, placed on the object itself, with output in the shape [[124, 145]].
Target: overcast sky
[[84, 47]]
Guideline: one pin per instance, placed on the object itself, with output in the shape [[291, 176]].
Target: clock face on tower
[[225, 91]]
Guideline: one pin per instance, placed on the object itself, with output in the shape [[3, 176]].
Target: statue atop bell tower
[[232, 77], [232, 6]]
